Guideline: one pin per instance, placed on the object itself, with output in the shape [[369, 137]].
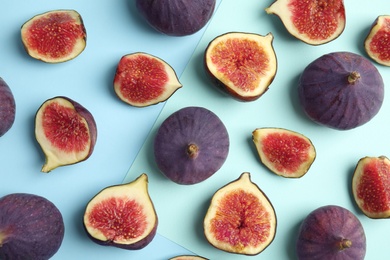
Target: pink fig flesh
[[377, 41]]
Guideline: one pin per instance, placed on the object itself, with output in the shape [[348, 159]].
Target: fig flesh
[[370, 186], [241, 64], [7, 107], [31, 227], [240, 218], [54, 36], [191, 145], [176, 17], [311, 21], [122, 216], [143, 80], [284, 152], [341, 90], [66, 132], [377, 41], [331, 232]]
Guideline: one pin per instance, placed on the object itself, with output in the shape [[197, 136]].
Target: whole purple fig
[[7, 107]]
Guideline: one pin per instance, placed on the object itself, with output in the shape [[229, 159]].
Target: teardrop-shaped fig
[[122, 216], [341, 90], [176, 17], [241, 64], [54, 36], [143, 80], [370, 183], [191, 145], [31, 227], [311, 21], [377, 41], [331, 232], [240, 218], [284, 152], [66, 132], [7, 107]]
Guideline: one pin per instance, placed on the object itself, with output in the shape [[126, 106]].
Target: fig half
[[55, 36], [241, 64], [284, 152], [314, 22], [66, 132], [370, 186], [122, 216], [7, 107], [240, 218], [188, 257], [143, 80], [377, 41]]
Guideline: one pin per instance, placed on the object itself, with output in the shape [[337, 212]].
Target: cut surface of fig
[[142, 80], [122, 216], [331, 232], [241, 64], [240, 218], [371, 186], [54, 36], [377, 41], [7, 107], [311, 21], [341, 90], [188, 257], [31, 227], [284, 152], [191, 145], [66, 132], [176, 17]]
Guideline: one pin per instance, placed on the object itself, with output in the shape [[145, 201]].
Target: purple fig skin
[[31, 227], [7, 107], [331, 232], [176, 17], [173, 145], [341, 90]]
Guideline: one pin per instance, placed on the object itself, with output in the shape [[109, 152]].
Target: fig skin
[[188, 257], [31, 227], [128, 203], [341, 90], [377, 41], [176, 17], [331, 232], [56, 156], [7, 107], [369, 186]]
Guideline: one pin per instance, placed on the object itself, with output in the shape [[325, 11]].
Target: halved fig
[[191, 145], [66, 132], [7, 107], [284, 152], [55, 36], [142, 80], [188, 257], [122, 216], [370, 186], [314, 22], [377, 41], [242, 64], [240, 218]]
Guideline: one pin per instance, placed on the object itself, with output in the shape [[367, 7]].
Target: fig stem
[[353, 77], [192, 151], [344, 244]]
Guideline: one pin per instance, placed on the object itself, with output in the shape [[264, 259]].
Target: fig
[[7, 107], [54, 36], [377, 41], [370, 186], [331, 232], [284, 152], [31, 227], [176, 17], [341, 90], [241, 64], [191, 145], [240, 218], [122, 216], [143, 80], [188, 257], [66, 132], [314, 22]]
